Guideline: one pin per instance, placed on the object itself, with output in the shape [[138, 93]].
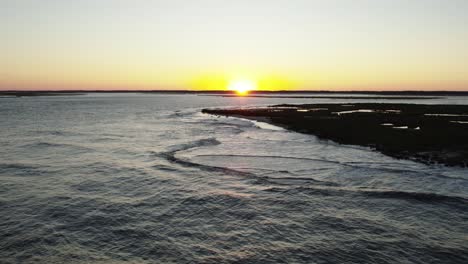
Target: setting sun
[[242, 87]]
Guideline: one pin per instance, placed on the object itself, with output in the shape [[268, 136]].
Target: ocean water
[[144, 178]]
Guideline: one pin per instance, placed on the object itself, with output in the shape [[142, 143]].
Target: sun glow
[[242, 87]]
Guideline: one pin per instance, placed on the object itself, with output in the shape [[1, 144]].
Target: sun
[[242, 87]]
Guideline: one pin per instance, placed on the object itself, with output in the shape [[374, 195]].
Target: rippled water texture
[[149, 179]]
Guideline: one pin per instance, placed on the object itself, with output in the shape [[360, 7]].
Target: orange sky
[[208, 44]]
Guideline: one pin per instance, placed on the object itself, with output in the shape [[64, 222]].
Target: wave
[[261, 179], [423, 197], [187, 163], [268, 156], [164, 168], [221, 123], [21, 169], [304, 159], [346, 164], [16, 166], [171, 156], [417, 196], [179, 113], [278, 180], [230, 121], [57, 145], [193, 144], [59, 133], [42, 145], [235, 128]]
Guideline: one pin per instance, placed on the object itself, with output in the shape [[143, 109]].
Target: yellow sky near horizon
[[207, 44]]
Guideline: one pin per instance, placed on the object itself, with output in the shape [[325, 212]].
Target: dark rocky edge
[[424, 133]]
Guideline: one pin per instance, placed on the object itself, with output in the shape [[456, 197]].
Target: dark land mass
[[38, 93], [334, 97], [403, 94], [424, 133]]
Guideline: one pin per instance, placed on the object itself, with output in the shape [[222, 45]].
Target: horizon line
[[233, 92]]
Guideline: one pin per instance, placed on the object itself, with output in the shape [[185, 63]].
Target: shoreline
[[431, 134], [383, 97], [321, 94]]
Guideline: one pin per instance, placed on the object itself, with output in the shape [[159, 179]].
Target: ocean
[[148, 178]]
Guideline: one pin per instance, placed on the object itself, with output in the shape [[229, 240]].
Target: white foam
[[459, 122], [355, 111], [444, 115], [264, 125]]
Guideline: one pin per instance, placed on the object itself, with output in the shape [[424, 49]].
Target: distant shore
[[271, 94], [40, 93], [382, 97], [432, 134]]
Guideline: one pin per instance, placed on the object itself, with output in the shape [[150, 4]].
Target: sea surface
[[148, 178]]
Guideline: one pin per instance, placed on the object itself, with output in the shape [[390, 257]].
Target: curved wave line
[[170, 156], [339, 163]]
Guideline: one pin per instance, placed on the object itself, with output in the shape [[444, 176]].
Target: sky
[[207, 44]]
